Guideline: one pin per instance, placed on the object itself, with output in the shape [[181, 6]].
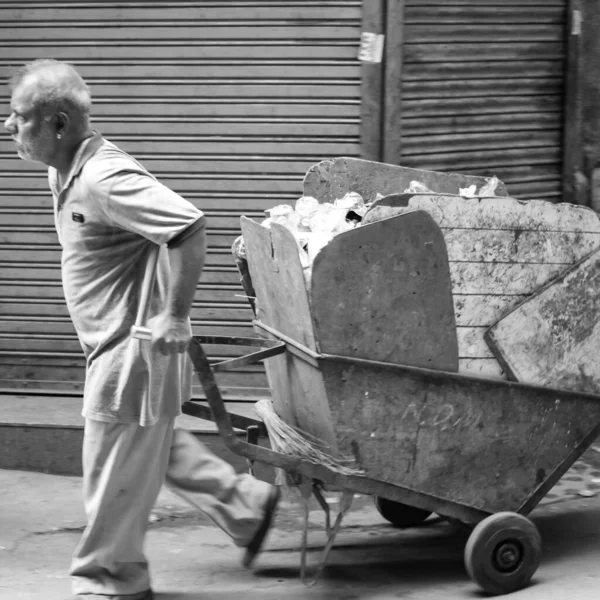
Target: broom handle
[[139, 330]]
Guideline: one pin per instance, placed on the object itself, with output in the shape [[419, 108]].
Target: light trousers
[[124, 467]]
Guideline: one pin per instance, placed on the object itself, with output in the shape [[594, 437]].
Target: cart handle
[[138, 330], [268, 348]]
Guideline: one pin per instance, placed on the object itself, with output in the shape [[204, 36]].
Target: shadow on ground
[[394, 562]]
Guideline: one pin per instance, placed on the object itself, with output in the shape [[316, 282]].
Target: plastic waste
[[283, 215], [239, 248], [305, 207], [315, 224], [347, 225], [416, 187], [489, 189], [328, 218], [317, 241], [279, 211], [470, 192], [351, 201], [355, 205]]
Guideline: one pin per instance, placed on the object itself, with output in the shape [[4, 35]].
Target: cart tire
[[503, 552], [398, 514]]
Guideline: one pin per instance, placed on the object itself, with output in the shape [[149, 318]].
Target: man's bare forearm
[[187, 261]]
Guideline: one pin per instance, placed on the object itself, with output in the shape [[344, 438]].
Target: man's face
[[31, 132]]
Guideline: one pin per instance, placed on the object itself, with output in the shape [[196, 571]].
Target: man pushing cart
[[110, 215]]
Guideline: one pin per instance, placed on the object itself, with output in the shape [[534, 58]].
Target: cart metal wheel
[[503, 553], [398, 514]]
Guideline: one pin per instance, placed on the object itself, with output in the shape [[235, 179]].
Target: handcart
[[427, 440], [363, 357]]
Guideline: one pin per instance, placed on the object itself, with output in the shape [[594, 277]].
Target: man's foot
[[253, 548]]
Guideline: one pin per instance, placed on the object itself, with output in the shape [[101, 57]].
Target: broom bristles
[[297, 443]]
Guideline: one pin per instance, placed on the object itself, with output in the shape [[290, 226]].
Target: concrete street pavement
[[41, 520]]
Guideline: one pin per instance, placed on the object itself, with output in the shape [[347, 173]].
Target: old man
[[109, 214]]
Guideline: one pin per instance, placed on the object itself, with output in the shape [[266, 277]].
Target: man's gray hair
[[58, 88]]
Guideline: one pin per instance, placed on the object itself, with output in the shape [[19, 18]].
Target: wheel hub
[[508, 556]]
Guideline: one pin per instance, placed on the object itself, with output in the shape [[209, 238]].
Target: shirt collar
[[84, 152]]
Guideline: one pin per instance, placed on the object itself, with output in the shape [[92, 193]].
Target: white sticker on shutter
[[371, 47]]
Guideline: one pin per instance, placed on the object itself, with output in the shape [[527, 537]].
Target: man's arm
[[135, 201], [170, 330], [187, 261]]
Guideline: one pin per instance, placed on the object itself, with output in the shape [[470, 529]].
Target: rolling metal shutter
[[482, 90], [228, 103]]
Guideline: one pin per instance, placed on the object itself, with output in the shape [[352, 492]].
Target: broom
[[297, 443]]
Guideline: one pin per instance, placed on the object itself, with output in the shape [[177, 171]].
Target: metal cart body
[[363, 356]]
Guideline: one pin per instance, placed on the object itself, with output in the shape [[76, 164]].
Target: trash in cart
[[315, 223]]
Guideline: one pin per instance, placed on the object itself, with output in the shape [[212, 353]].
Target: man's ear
[[62, 123]]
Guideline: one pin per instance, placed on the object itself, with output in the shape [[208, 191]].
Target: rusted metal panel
[[500, 251], [227, 105], [383, 292], [483, 89], [488, 445], [553, 338], [332, 179], [506, 213]]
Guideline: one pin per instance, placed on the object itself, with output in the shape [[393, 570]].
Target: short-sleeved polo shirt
[[109, 214]]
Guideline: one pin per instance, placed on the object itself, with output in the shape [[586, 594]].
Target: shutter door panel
[[225, 144], [249, 166], [214, 72], [66, 370], [485, 50], [500, 13], [482, 91], [151, 31], [227, 103], [87, 52], [479, 32], [480, 123], [473, 6], [207, 14]]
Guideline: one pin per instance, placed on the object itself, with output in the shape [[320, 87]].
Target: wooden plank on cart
[[282, 303], [553, 337], [500, 251], [332, 179], [276, 271]]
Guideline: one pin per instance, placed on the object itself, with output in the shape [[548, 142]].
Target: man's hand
[[170, 335]]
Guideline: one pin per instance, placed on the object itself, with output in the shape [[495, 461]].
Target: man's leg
[[238, 504], [123, 470]]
